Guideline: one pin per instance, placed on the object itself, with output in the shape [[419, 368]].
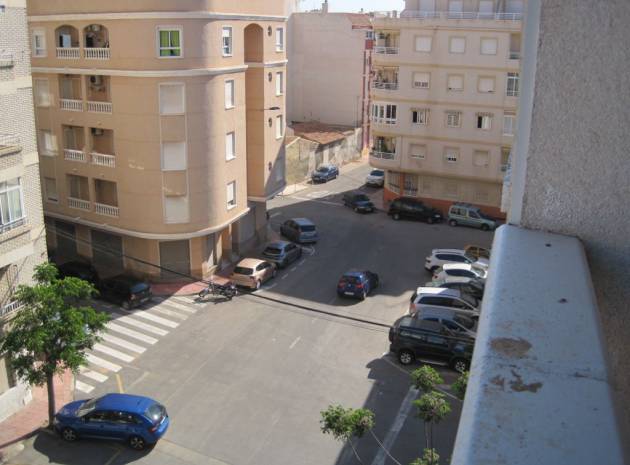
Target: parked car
[[325, 173], [469, 215], [301, 230], [376, 178], [451, 318], [413, 339], [126, 291], [282, 253], [473, 288], [358, 201], [81, 270], [253, 273], [463, 270], [138, 421], [357, 284], [442, 297], [407, 207], [441, 257], [477, 251]]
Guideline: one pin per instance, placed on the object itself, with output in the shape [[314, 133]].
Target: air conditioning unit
[[96, 80], [97, 132]]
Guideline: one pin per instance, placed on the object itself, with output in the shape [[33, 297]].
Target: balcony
[[9, 143], [74, 155], [385, 85], [107, 210], [382, 155], [79, 204], [70, 104], [100, 159], [69, 53], [10, 308], [99, 107], [97, 53], [96, 39], [454, 15], [67, 38], [385, 50]]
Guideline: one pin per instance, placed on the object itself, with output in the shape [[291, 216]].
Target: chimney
[[325, 6]]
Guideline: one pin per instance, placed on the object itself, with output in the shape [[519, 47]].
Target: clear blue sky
[[352, 6]]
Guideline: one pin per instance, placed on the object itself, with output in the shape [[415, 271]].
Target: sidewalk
[[33, 416]]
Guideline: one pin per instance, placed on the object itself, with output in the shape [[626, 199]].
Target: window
[[50, 189], [455, 82], [509, 124], [279, 39], [11, 201], [39, 43], [451, 189], [41, 93], [411, 185], [451, 155], [384, 113], [512, 84], [417, 151], [172, 99], [455, 8], [423, 43], [481, 158], [486, 84], [420, 116], [393, 182], [169, 42], [453, 119], [47, 142], [369, 35], [279, 83], [226, 41], [230, 146], [425, 184], [231, 195], [486, 8], [421, 80], [484, 121], [173, 156], [229, 94], [488, 46], [176, 209], [505, 158], [457, 45], [279, 127]]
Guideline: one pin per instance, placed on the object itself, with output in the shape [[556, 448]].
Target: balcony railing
[[101, 159], [68, 53], [389, 121], [12, 225], [452, 15], [70, 104], [515, 55], [385, 85], [6, 60], [107, 210], [99, 107], [74, 155], [383, 155], [386, 50], [9, 308], [79, 204], [9, 143], [95, 53]]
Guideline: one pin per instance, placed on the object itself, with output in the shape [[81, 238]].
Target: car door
[[95, 425], [292, 252], [473, 218], [437, 345]]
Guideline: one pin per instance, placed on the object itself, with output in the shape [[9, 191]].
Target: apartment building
[[160, 127], [444, 98], [22, 236]]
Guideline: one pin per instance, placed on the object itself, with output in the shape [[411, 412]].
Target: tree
[[52, 331], [460, 385], [346, 423], [429, 457], [432, 408], [426, 378]]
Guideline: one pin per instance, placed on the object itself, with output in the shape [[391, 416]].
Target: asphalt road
[[244, 381]]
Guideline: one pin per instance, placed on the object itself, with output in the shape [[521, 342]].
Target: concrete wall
[[572, 163]]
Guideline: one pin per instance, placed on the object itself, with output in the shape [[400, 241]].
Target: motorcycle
[[224, 290]]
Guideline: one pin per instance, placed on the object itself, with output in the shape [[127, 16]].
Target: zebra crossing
[[129, 334]]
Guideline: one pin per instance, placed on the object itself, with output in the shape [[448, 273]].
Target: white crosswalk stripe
[[103, 363], [139, 324], [83, 387], [95, 375], [122, 343], [131, 333], [165, 311], [185, 299], [113, 352], [156, 319], [178, 306]]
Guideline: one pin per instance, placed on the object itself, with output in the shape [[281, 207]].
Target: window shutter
[[458, 45], [172, 99], [421, 80], [486, 84], [488, 46], [423, 44], [455, 83], [173, 156]]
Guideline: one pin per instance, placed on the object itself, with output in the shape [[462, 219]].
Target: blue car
[[357, 284], [324, 173], [139, 421]]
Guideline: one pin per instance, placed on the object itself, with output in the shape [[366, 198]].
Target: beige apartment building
[[160, 127], [22, 235], [444, 98]]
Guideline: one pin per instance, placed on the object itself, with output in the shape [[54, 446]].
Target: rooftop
[[320, 132]]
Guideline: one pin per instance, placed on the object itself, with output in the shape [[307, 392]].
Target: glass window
[[155, 413], [229, 94], [512, 85], [226, 40], [279, 83], [509, 124], [172, 100], [279, 127], [279, 39], [457, 45], [489, 46], [39, 43], [41, 93], [230, 146], [451, 155], [423, 43], [231, 195], [173, 156], [453, 119], [50, 189], [484, 121], [11, 201], [384, 113], [420, 116], [47, 142], [169, 42], [418, 151], [481, 158]]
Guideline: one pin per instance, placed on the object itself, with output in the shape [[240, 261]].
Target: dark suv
[[358, 201], [413, 339], [406, 207], [125, 291]]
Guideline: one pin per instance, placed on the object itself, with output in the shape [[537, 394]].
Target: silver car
[[282, 253], [376, 178]]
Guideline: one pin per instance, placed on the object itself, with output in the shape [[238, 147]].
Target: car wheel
[[137, 443], [430, 220], [405, 357], [452, 222], [460, 365], [274, 273], [68, 434], [484, 227], [364, 295], [126, 305], [396, 216], [258, 284]]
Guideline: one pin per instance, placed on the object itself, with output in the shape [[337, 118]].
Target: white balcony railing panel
[[79, 204], [385, 85], [386, 50], [99, 107], [70, 104], [383, 155], [97, 53], [107, 210], [9, 308], [101, 159], [74, 155], [68, 53]]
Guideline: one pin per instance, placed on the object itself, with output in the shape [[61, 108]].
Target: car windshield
[[466, 322], [469, 300], [139, 287], [479, 271], [361, 198], [243, 270], [322, 169], [87, 407], [377, 173], [470, 257], [307, 227], [273, 251], [155, 413]]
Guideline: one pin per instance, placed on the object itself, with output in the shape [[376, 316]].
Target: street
[[244, 381]]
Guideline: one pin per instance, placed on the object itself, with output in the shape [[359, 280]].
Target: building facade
[[22, 235], [160, 126], [444, 99]]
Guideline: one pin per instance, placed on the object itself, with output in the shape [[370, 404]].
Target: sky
[[352, 6]]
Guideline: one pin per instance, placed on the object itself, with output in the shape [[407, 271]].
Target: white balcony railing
[[70, 104], [101, 159], [385, 85], [386, 50], [95, 53], [107, 210], [79, 204], [74, 155], [409, 14], [389, 121], [9, 308], [515, 55], [68, 53], [383, 155], [99, 107]]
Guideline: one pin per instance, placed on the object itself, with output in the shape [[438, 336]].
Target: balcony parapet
[[385, 85], [382, 155], [95, 53], [102, 159], [107, 210], [69, 53], [79, 204], [411, 14], [539, 390], [71, 104], [74, 155], [386, 50]]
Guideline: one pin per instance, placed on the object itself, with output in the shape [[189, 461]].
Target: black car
[[413, 339], [358, 201], [80, 270], [324, 173], [126, 291], [414, 209]]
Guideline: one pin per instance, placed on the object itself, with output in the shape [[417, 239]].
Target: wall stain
[[518, 385], [509, 347]]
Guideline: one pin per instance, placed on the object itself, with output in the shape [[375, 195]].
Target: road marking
[[183, 454], [165, 311], [95, 375], [325, 202], [297, 339], [114, 457], [273, 215], [294, 268], [173, 304], [331, 300], [138, 324], [131, 333], [302, 262], [270, 286], [393, 432], [113, 353], [119, 382], [102, 363], [185, 299], [285, 276], [156, 319], [83, 387], [122, 343]]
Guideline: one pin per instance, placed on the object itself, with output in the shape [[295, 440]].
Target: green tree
[[460, 385], [429, 457], [426, 378], [432, 407], [53, 330], [344, 424]]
